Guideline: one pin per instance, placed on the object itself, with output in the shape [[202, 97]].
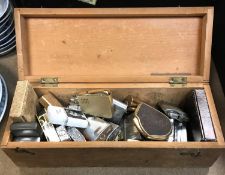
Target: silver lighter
[[130, 131], [62, 133], [119, 110], [73, 105], [171, 137], [48, 129], [100, 130], [75, 134], [173, 112], [179, 132]]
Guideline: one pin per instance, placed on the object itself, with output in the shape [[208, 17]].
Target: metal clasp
[[49, 81], [178, 81]]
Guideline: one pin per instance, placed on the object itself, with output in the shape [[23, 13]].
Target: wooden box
[[152, 53]]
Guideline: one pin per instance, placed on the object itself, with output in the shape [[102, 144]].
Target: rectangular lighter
[[48, 129], [119, 110], [75, 134], [130, 131], [100, 130], [200, 125], [98, 103], [62, 133]]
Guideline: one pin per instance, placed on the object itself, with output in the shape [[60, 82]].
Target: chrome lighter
[[100, 130], [173, 112], [48, 129], [179, 132], [119, 110], [75, 134], [130, 131], [62, 133]]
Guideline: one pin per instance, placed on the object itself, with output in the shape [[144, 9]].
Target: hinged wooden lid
[[114, 45]]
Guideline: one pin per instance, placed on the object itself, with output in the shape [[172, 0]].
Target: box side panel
[[113, 157]]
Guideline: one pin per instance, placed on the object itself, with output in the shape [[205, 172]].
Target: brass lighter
[[131, 103], [97, 103]]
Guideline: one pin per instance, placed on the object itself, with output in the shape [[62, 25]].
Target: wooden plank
[[115, 145], [207, 24], [152, 36], [69, 86], [113, 157], [6, 135], [114, 79], [19, 46], [169, 11]]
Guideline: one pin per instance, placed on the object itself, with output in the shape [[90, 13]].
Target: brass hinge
[[49, 81], [178, 81]]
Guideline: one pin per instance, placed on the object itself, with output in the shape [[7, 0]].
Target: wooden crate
[[138, 51]]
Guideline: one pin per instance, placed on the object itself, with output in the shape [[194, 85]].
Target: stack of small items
[[81, 120]]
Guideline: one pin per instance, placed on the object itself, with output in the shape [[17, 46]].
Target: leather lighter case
[[97, 103], [151, 123], [200, 125]]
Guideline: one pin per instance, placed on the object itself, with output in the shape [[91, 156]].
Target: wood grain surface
[[114, 45]]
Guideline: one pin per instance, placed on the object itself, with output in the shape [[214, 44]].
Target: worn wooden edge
[[114, 144], [121, 79], [119, 85], [214, 115], [93, 12], [19, 45], [6, 135], [206, 43]]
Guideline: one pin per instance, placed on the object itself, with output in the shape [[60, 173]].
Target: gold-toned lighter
[[97, 103]]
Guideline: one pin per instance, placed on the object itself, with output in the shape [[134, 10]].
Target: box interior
[[150, 96]]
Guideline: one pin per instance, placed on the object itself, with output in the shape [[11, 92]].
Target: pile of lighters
[[95, 116]]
